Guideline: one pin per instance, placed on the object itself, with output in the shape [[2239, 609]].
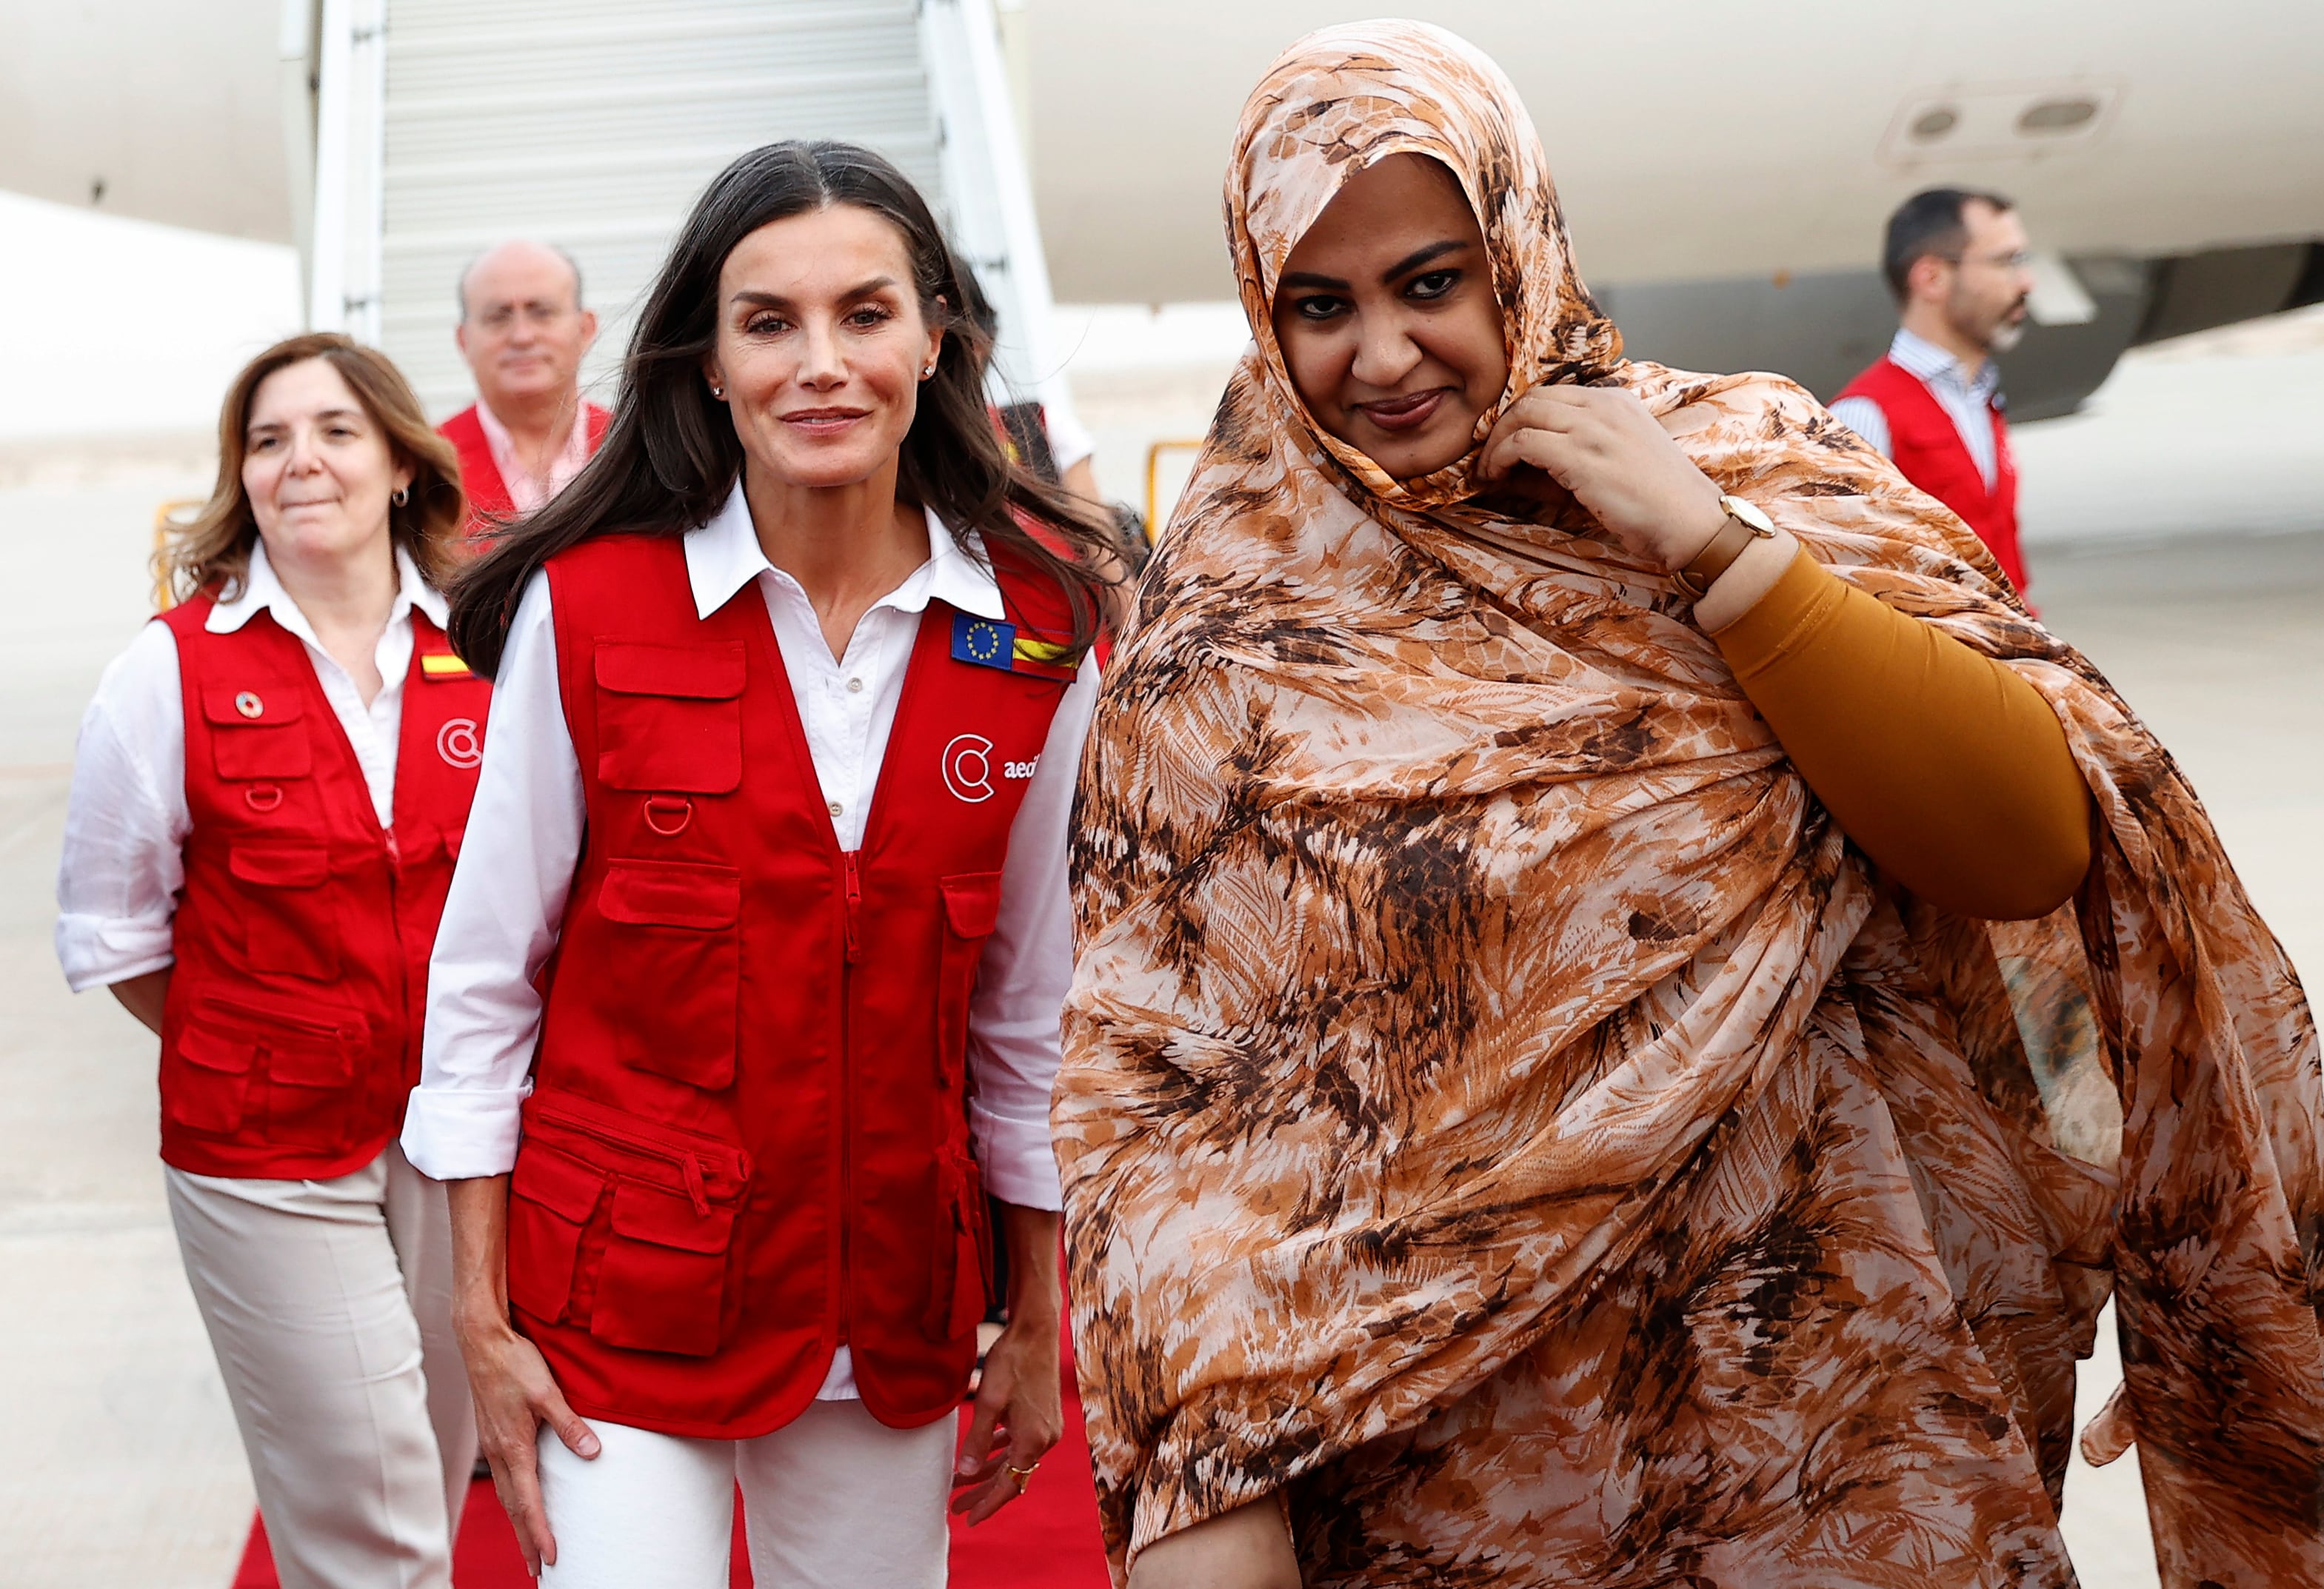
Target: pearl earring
[[402, 495], [925, 374]]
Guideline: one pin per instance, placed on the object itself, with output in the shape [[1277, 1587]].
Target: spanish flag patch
[[443, 664], [989, 643]]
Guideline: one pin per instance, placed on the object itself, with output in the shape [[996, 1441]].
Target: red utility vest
[[1927, 449], [291, 1035], [748, 1139], [480, 475]]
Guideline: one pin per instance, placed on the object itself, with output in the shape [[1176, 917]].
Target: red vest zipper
[[854, 896], [854, 907]]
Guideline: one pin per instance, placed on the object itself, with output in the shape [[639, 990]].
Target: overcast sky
[[110, 326]]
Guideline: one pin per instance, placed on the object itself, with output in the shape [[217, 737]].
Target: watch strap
[[1717, 557]]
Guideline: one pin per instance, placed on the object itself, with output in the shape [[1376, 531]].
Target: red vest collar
[[1927, 449]]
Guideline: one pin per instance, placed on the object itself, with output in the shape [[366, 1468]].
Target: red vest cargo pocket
[[206, 1080], [315, 1061], [662, 1286], [961, 1255], [288, 916], [551, 1198], [314, 1091], [302, 1116], [255, 733], [645, 1268], [971, 903], [673, 933], [669, 718]]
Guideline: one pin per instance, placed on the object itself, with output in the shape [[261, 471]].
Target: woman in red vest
[[268, 796], [721, 1088]]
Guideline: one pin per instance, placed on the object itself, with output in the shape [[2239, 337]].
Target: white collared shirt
[[527, 492], [1967, 400], [523, 843], [126, 823]]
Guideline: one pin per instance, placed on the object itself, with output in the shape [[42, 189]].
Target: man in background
[[523, 332], [1957, 263]]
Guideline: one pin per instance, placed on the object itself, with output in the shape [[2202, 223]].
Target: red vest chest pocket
[[256, 733], [288, 912], [670, 717], [674, 927]]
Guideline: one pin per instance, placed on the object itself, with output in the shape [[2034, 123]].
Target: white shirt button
[[836, 808], [854, 686]]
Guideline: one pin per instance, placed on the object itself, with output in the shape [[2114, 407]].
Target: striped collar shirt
[[1969, 400], [527, 491]]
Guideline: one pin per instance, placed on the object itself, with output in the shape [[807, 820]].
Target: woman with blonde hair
[[269, 794], [1632, 1005]]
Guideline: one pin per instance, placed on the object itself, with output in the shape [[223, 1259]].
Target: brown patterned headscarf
[[1505, 1119]]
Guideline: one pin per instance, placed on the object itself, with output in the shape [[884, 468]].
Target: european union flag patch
[[989, 643], [984, 642]]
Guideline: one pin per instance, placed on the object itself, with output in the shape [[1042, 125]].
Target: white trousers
[[329, 1305], [833, 1499]]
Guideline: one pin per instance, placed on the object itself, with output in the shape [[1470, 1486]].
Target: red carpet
[[1047, 1540]]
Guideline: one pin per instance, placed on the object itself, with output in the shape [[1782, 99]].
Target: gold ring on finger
[[1023, 1476]]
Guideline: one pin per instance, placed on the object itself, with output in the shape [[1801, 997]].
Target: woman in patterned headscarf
[[1552, 1094]]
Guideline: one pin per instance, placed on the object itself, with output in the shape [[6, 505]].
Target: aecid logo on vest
[[460, 744], [968, 768]]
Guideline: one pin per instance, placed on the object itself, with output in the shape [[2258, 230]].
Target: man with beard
[[1957, 263]]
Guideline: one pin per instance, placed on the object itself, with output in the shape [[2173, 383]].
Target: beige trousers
[[833, 1499], [329, 1305]]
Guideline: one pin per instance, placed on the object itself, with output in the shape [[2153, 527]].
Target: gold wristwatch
[[1745, 524]]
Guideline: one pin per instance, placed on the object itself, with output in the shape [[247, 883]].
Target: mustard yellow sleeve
[[1946, 767]]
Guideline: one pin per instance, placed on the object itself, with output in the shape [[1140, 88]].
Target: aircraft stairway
[[443, 126]]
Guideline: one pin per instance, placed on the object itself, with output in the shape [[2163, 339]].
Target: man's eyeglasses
[[2017, 260], [501, 317]]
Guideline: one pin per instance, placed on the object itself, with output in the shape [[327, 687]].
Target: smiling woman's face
[[1387, 319], [317, 467], [821, 342]]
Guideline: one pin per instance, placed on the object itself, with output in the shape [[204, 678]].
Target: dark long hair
[[670, 456]]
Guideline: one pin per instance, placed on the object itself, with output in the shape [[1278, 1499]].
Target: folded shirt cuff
[[459, 1134], [97, 951], [1018, 1165]]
